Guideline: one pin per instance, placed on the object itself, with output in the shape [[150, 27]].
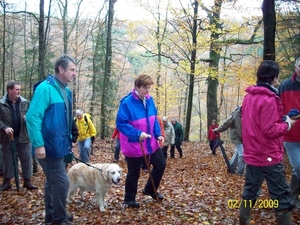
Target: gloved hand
[[292, 113], [93, 139]]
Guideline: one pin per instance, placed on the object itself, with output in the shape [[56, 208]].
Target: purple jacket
[[262, 127], [133, 119]]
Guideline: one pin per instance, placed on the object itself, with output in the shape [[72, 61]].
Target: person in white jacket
[[169, 135]]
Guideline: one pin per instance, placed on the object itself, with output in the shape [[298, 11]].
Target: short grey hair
[[63, 61], [79, 112]]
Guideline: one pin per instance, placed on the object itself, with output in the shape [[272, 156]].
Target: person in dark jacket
[[178, 138], [49, 124], [13, 108], [289, 93], [262, 134]]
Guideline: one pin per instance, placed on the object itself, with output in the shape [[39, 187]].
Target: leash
[[150, 176], [88, 164]]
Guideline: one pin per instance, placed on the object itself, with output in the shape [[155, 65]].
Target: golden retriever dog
[[98, 178]]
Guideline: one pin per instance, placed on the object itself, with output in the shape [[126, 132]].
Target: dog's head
[[113, 173]]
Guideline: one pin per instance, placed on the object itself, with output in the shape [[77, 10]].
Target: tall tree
[[214, 58], [42, 41], [269, 18], [159, 35], [192, 72], [67, 30], [3, 49], [107, 68]]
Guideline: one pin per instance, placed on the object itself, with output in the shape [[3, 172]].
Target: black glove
[[74, 139], [93, 139]]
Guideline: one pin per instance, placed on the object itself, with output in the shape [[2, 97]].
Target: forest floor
[[197, 189]]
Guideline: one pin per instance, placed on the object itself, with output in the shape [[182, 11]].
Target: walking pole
[[148, 168]]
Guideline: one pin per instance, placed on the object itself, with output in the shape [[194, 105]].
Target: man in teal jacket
[[49, 124]]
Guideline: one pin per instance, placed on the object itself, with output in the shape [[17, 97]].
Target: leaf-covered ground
[[197, 190]]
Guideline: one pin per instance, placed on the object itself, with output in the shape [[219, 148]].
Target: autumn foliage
[[197, 190]]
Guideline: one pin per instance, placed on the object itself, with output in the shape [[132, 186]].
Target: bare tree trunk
[[3, 46], [41, 41], [214, 55], [269, 18], [107, 71], [65, 26], [192, 74], [160, 36]]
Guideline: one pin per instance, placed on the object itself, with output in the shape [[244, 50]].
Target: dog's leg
[[81, 193], [70, 193], [100, 201]]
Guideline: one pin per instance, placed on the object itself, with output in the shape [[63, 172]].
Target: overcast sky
[[124, 9]]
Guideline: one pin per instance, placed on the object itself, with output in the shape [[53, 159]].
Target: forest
[[201, 54]]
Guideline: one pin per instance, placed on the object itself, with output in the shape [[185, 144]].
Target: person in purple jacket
[[138, 125], [262, 135]]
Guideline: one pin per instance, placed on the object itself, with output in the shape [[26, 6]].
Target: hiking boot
[[295, 190], [48, 220], [283, 218], [28, 184], [159, 196], [245, 213], [5, 186], [63, 223], [132, 204]]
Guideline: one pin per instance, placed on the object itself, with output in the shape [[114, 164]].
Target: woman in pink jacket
[[262, 135]]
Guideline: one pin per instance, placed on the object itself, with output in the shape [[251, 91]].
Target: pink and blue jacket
[[133, 119], [262, 127]]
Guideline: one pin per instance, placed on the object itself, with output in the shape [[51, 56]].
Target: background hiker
[[13, 108], [87, 133], [234, 122], [212, 136]]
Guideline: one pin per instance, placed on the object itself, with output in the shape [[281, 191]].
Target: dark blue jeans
[[56, 189], [158, 161], [278, 187], [212, 143]]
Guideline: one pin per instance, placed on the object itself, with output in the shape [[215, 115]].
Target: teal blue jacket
[[46, 119]]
